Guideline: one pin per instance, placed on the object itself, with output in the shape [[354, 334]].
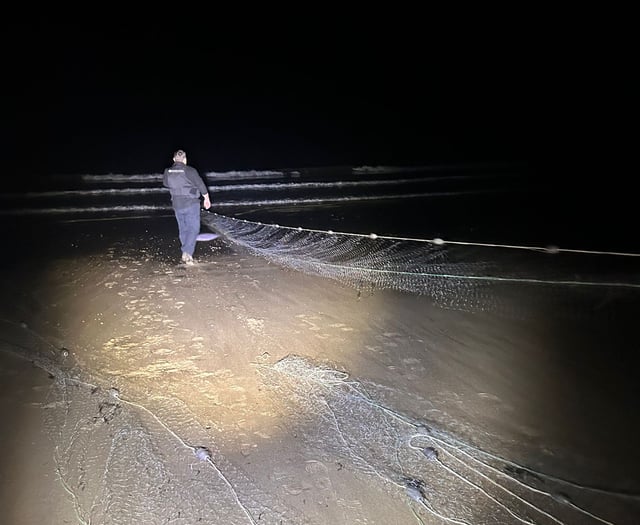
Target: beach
[[136, 389]]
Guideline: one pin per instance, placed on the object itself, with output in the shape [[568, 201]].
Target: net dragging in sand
[[437, 474], [126, 457]]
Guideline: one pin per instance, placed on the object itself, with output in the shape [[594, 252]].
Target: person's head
[[180, 156]]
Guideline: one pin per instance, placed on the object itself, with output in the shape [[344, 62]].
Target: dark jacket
[[185, 185]]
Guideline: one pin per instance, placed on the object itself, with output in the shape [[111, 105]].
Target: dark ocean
[[503, 204]]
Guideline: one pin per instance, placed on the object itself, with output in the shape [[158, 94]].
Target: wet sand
[[557, 395]]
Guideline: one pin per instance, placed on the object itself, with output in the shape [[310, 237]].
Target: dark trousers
[[188, 226]]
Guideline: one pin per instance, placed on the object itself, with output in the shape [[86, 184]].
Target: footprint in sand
[[309, 324], [413, 364], [342, 327], [387, 339], [255, 325], [319, 472]]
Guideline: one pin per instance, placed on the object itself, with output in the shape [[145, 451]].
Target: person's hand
[[207, 202]]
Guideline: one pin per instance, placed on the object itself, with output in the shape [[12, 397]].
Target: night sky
[[99, 97]]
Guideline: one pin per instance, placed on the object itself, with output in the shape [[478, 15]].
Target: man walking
[[186, 186]]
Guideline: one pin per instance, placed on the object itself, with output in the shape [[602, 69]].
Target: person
[[186, 188]]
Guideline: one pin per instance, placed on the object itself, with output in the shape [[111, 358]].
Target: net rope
[[437, 473], [457, 275]]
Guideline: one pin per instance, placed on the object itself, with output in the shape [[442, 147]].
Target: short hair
[[179, 155]]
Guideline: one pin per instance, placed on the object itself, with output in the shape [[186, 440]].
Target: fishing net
[[443, 477], [516, 281], [135, 457]]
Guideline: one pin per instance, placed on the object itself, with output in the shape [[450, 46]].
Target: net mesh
[[438, 474], [512, 282], [135, 458]]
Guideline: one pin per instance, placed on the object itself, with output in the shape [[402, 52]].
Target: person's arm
[[204, 191]]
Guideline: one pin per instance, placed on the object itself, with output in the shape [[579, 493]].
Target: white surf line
[[243, 203], [352, 198], [331, 184], [84, 193], [366, 169], [112, 177], [440, 242], [124, 218], [89, 209], [235, 187], [208, 175], [297, 174]]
